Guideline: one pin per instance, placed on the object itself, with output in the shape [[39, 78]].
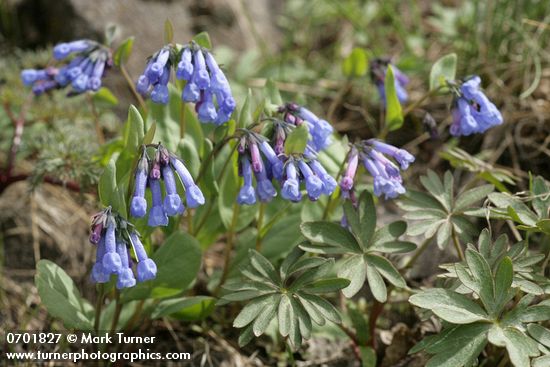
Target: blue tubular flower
[[472, 111], [143, 84], [391, 187], [329, 183], [30, 76], [218, 81], [193, 193], [111, 260], [94, 83], [160, 92], [205, 108], [264, 187], [247, 195], [257, 163], [185, 66], [80, 83], [191, 92], [291, 186], [276, 163], [200, 75], [319, 129], [146, 267], [62, 50], [138, 205], [402, 157], [314, 185], [99, 275], [157, 67], [125, 277], [172, 201], [157, 216]]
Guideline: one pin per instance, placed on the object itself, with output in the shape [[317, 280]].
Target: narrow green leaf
[[535, 313], [168, 31], [503, 280], [448, 305], [324, 307], [395, 247], [394, 113], [355, 65], [443, 70], [285, 315], [540, 333], [304, 321], [104, 97], [252, 310], [327, 285], [264, 318], [123, 51], [481, 272], [331, 234], [273, 93], [263, 266], [354, 269], [289, 261], [203, 40], [368, 218], [472, 196], [296, 141], [459, 354], [246, 336], [352, 217], [386, 269], [245, 115], [376, 284]]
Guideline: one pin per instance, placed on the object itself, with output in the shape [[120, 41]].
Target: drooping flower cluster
[[319, 129], [150, 173], [258, 158], [378, 68], [206, 85], [472, 111], [83, 72], [387, 178], [113, 237]]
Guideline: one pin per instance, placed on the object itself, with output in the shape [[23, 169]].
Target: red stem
[[18, 124]]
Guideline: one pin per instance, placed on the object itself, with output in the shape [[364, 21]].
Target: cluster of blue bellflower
[[150, 173], [114, 237], [85, 65], [206, 84]]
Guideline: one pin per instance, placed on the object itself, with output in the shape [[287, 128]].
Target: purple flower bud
[[29, 76], [43, 86], [125, 277], [314, 186], [111, 260], [247, 194], [95, 236], [347, 180], [193, 193], [257, 165], [138, 205], [200, 74], [185, 66], [157, 216], [94, 83], [143, 85], [291, 186], [172, 201], [218, 81], [389, 167]]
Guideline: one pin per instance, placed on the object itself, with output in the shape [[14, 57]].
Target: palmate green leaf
[[376, 284], [472, 196], [389, 233], [386, 269], [305, 264], [394, 113], [253, 309], [443, 70], [327, 285], [450, 306], [540, 334], [311, 275], [263, 266], [461, 352], [354, 269], [518, 345], [481, 272], [296, 141], [61, 297], [331, 234], [322, 306], [264, 318], [436, 188]]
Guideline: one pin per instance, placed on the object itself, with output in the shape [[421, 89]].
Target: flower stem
[[259, 224], [118, 309], [228, 247], [182, 120], [327, 210], [98, 306], [458, 248], [133, 87], [95, 114]]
